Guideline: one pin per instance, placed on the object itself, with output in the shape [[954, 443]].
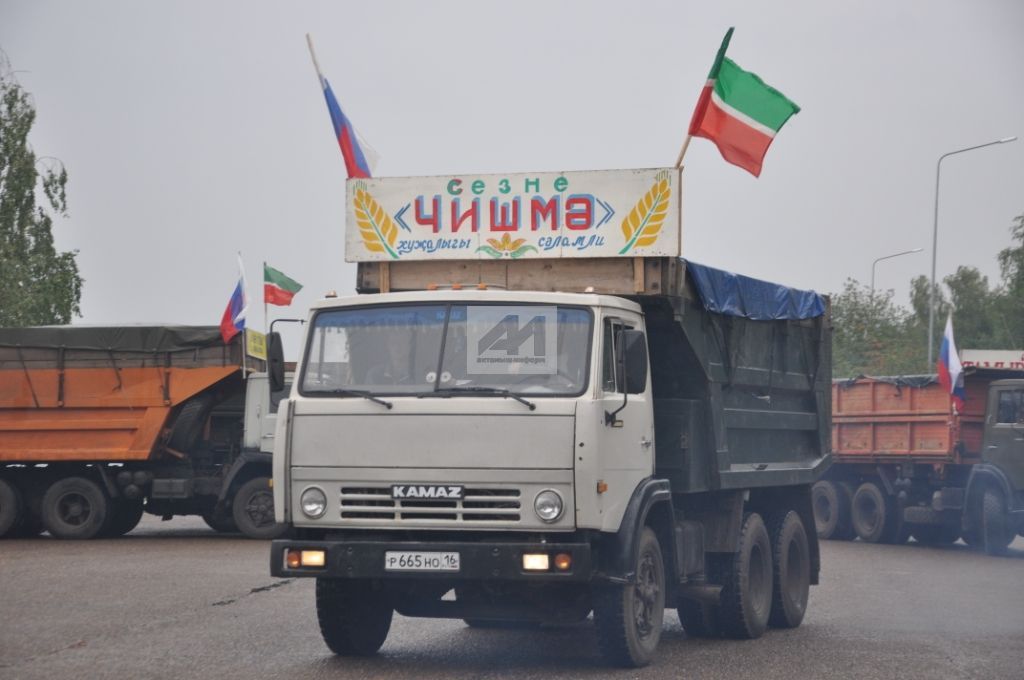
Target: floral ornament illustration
[[642, 225], [376, 227], [506, 247]]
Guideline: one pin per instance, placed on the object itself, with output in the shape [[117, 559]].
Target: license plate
[[395, 560]]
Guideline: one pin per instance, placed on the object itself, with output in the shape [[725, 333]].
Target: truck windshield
[[446, 348]]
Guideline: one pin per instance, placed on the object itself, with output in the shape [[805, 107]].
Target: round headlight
[[548, 505], [313, 502]]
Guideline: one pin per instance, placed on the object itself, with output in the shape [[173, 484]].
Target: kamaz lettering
[[426, 491]]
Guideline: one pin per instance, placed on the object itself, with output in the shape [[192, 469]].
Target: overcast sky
[[191, 130]]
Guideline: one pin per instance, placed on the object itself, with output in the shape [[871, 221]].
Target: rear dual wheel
[[124, 516], [75, 508], [876, 516], [831, 502], [12, 508], [766, 582]]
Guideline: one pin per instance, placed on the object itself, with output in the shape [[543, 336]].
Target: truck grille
[[477, 505]]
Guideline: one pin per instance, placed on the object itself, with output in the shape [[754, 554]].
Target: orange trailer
[[99, 424], [903, 457]]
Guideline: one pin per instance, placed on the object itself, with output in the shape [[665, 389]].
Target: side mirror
[[275, 362], [633, 361]]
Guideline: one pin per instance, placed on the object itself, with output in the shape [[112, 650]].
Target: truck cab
[[995, 490]]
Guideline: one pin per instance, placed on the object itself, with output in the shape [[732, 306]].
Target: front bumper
[[479, 561]]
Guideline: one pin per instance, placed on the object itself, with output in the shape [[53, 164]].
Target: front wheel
[[253, 510], [994, 532], [354, 618], [628, 617]]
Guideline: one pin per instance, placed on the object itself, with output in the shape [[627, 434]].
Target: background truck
[[662, 457], [98, 425], [908, 463]]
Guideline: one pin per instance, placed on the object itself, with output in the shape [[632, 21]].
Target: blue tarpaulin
[[727, 293]]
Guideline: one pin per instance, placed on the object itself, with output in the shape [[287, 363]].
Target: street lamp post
[[935, 237], [886, 257]]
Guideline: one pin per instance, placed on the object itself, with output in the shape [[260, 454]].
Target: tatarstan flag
[[739, 112], [278, 289]]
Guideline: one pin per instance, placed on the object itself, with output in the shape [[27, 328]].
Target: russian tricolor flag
[[233, 321], [355, 159], [951, 373]]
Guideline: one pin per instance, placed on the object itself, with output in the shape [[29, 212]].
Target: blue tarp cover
[[735, 295]]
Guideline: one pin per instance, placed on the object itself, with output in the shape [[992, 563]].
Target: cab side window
[[611, 381], [1010, 403]]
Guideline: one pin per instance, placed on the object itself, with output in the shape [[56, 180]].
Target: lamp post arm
[[935, 237]]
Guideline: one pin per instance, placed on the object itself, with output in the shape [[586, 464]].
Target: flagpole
[[266, 314], [316, 64], [245, 299], [682, 152]]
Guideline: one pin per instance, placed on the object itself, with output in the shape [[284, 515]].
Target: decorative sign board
[[607, 213]]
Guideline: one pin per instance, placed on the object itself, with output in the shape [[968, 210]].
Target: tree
[[871, 334], [38, 284]]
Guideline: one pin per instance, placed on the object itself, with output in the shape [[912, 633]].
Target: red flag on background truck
[[278, 289]]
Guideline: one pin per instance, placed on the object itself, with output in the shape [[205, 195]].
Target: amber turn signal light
[[305, 558], [563, 561]]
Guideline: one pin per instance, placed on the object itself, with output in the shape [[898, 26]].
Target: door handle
[[268, 436], [645, 442]]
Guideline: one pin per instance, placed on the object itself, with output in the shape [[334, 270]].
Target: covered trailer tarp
[[112, 338], [741, 373], [723, 292], [105, 393]]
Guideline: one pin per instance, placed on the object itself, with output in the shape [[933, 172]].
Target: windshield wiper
[[480, 389], [357, 393]]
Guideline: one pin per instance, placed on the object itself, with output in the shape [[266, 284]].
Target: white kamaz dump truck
[[535, 410]]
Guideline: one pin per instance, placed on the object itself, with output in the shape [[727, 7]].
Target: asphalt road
[[175, 600]]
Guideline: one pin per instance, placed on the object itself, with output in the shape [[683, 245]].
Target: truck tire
[[831, 501], [935, 534], [747, 587], [791, 568], [220, 522], [699, 619], [844, 531], [253, 510], [12, 509], [189, 423], [354, 619], [628, 617], [874, 515], [75, 508], [996, 536], [124, 516]]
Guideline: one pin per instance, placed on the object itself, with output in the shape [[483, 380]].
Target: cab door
[[1004, 435], [627, 437]]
